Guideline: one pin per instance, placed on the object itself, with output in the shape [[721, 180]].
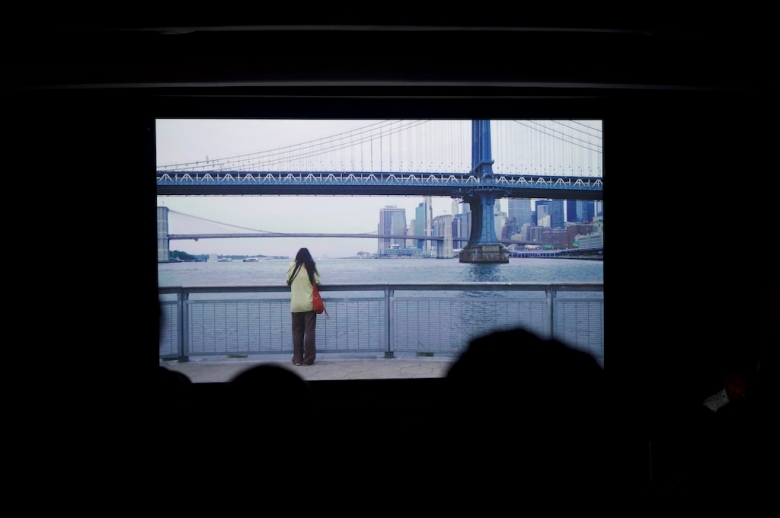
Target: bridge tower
[[443, 227], [483, 245], [163, 243]]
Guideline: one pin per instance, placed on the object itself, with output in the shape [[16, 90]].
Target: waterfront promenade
[[327, 367]]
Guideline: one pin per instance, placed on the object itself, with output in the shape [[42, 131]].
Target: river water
[[341, 271]]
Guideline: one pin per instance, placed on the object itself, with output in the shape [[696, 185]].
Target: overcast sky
[[182, 141]]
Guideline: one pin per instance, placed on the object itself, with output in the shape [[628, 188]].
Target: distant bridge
[[369, 235]]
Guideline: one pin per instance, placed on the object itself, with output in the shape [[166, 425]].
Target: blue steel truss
[[377, 183]]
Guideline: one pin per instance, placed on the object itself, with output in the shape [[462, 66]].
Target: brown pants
[[304, 348]]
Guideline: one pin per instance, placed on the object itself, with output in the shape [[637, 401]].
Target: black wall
[[686, 208]]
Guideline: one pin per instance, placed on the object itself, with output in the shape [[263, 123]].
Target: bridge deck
[[377, 184]]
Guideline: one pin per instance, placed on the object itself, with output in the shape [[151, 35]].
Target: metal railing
[[427, 318]]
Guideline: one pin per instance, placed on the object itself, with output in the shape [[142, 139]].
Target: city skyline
[[249, 212], [222, 205]]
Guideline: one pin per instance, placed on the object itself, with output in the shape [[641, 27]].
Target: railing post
[[183, 330], [388, 322], [551, 292]]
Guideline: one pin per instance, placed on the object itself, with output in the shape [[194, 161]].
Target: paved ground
[[327, 367]]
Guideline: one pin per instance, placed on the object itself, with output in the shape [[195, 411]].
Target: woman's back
[[300, 287]]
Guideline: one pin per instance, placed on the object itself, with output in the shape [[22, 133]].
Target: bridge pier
[[483, 245], [444, 247]]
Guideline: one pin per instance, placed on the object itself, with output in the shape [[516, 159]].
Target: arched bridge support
[[444, 247], [483, 246]]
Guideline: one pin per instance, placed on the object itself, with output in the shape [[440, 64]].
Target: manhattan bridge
[[476, 161]]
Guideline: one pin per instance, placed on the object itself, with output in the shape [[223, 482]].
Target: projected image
[[424, 234]]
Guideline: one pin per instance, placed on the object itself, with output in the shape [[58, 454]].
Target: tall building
[[392, 220], [419, 225], [557, 214], [523, 232], [457, 222], [465, 224], [543, 213], [571, 211], [510, 228], [588, 211], [442, 226], [460, 228], [551, 208], [428, 222], [499, 218], [580, 211], [520, 209], [423, 219], [535, 234]]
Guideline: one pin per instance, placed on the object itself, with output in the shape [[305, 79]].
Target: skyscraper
[[455, 207], [442, 226], [419, 225], [499, 217], [580, 211], [543, 218], [571, 210], [556, 214], [428, 222], [520, 209], [588, 211], [510, 228], [551, 208], [392, 220], [466, 223]]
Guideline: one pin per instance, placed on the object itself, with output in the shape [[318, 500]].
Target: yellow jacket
[[300, 289]]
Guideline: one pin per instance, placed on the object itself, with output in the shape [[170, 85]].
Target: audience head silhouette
[[533, 405], [273, 386], [270, 394]]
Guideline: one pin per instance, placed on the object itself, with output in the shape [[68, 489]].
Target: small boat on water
[[251, 260], [225, 260]]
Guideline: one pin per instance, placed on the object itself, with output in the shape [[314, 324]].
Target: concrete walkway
[[327, 367]]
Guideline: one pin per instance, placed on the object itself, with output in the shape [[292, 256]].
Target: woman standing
[[301, 275]]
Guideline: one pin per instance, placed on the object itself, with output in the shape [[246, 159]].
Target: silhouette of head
[[532, 404], [516, 367], [270, 386]]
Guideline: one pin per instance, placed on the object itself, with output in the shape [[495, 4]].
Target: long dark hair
[[303, 257]]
